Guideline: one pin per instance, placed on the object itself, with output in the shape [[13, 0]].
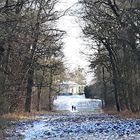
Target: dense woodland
[[113, 26], [30, 54]]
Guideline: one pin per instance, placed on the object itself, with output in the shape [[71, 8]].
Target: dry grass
[[23, 115], [128, 114], [32, 115], [18, 116], [123, 114], [110, 111]]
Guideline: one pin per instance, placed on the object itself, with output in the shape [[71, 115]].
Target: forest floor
[[71, 126], [123, 114]]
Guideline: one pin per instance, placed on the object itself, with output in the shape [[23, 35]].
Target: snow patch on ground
[[81, 103], [77, 126]]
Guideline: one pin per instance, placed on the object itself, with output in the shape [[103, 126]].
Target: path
[[75, 127]]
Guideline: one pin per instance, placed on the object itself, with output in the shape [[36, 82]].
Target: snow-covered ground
[[79, 101], [76, 126], [84, 123]]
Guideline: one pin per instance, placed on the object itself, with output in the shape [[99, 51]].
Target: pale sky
[[74, 44]]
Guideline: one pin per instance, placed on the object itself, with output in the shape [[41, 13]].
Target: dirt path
[[75, 127]]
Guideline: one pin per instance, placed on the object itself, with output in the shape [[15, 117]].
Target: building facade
[[71, 88]]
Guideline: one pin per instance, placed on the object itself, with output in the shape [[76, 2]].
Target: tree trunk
[[29, 90], [116, 95], [50, 100], [104, 88], [50, 90], [38, 97], [114, 70]]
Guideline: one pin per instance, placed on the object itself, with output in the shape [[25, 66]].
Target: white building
[[69, 87]]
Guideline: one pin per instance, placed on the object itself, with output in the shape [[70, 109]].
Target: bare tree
[[114, 25]]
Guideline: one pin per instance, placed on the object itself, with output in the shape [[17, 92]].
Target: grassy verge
[[128, 114], [22, 115], [123, 114]]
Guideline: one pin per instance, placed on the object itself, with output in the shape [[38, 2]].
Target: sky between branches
[[73, 43]]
